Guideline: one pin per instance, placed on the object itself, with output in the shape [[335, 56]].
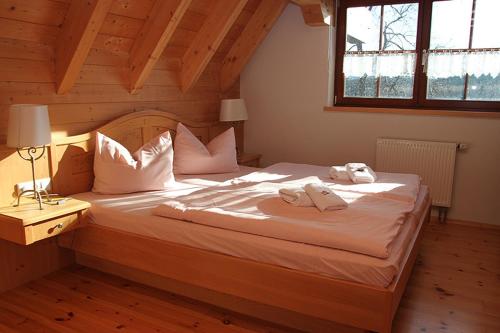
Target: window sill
[[414, 112]]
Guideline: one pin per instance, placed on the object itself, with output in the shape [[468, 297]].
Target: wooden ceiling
[[135, 34], [317, 12]]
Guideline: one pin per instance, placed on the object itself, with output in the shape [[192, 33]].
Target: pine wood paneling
[[107, 58], [44, 93], [90, 74], [192, 20], [28, 31], [121, 26], [82, 22], [153, 38], [112, 43], [251, 37], [182, 37], [27, 41], [138, 9], [202, 6], [44, 12], [219, 21], [28, 36], [20, 49], [21, 264], [20, 70]]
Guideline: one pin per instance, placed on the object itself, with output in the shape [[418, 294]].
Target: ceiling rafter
[[153, 38], [316, 12], [252, 35], [218, 22], [79, 30]]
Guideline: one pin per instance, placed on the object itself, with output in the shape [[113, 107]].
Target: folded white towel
[[360, 173], [339, 173], [324, 198], [296, 196]]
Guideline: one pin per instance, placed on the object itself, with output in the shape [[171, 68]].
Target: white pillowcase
[[148, 169], [193, 157]]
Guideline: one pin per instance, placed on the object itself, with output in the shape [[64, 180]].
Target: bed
[[286, 282]]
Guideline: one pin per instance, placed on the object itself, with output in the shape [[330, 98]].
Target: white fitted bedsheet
[[132, 213]]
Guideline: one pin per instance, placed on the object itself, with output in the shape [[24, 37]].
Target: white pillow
[[193, 157], [148, 169]]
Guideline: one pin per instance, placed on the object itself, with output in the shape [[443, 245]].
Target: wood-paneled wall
[[29, 31], [28, 34], [20, 264]]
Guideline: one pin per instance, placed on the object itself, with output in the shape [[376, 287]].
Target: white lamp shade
[[28, 126], [233, 110]]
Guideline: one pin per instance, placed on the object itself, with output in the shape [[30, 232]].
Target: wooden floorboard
[[455, 287]]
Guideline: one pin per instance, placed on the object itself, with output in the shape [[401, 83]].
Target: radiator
[[433, 161]]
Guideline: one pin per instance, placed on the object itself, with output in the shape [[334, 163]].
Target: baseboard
[[434, 220]]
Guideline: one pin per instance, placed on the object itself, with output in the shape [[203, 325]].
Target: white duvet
[[251, 204]]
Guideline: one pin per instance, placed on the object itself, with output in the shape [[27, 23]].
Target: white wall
[[285, 87]]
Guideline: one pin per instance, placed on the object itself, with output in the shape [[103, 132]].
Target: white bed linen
[[251, 205], [132, 213]]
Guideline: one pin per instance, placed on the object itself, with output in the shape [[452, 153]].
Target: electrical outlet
[[41, 184]]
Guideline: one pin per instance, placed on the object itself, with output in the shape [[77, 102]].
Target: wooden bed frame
[[290, 297]]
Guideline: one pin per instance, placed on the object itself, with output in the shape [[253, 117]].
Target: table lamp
[[233, 110], [29, 132]]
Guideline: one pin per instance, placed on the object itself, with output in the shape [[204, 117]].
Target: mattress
[[133, 213]]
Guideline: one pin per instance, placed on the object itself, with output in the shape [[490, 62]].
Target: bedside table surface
[[245, 157], [28, 213]]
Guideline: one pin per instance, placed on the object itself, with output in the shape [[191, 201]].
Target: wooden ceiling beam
[[153, 38], [316, 12], [81, 25], [218, 22], [252, 35]]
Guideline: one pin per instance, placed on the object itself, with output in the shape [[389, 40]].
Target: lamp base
[[37, 195], [32, 157]]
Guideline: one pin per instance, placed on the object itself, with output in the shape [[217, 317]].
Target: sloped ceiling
[[135, 34]]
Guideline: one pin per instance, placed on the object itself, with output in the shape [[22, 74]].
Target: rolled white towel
[[324, 198], [360, 173], [296, 197], [339, 173]]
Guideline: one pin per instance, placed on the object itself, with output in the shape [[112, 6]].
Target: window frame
[[419, 99]]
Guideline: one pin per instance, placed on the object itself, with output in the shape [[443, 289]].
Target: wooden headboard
[[71, 158]]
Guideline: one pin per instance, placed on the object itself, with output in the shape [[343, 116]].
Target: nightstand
[[27, 224], [249, 159]]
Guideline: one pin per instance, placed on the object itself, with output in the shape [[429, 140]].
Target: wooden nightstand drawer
[[27, 224], [39, 231]]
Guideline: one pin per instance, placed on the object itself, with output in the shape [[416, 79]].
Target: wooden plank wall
[[20, 264], [28, 33], [29, 30]]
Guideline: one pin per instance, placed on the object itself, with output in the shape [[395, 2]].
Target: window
[[419, 53]]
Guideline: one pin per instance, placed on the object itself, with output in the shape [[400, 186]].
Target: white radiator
[[433, 161]]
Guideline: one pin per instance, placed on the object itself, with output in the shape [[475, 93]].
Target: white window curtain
[[449, 64], [391, 65]]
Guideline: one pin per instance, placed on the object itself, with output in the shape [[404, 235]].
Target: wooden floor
[[455, 288]]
